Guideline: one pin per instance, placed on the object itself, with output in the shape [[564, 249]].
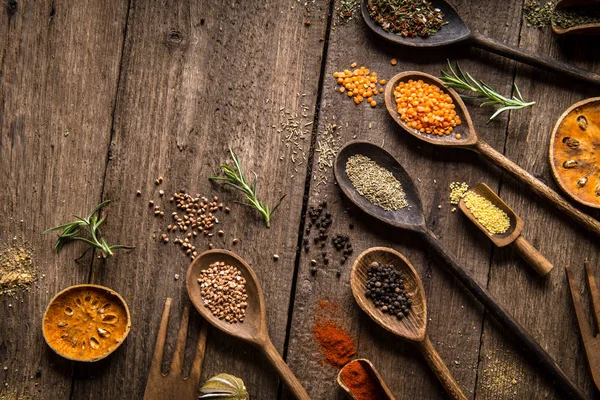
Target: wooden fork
[[173, 385], [591, 340]]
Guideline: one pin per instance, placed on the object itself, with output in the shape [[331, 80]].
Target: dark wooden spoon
[[470, 141], [254, 328], [411, 218], [457, 31], [513, 235], [414, 326]]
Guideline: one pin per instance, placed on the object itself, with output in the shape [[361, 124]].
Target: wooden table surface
[[97, 101]]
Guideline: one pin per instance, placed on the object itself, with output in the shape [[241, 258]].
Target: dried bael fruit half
[[575, 152], [86, 322]]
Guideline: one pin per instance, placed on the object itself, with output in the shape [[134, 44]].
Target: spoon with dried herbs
[[412, 218], [576, 18], [386, 18], [253, 328], [456, 130]]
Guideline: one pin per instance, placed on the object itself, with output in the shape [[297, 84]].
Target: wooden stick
[[438, 366], [532, 256]]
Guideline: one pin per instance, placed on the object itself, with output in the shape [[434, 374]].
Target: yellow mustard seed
[[457, 191], [489, 216]]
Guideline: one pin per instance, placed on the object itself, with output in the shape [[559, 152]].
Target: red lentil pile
[[426, 108], [359, 84]]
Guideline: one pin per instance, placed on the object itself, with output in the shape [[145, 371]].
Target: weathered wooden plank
[[455, 319], [198, 77], [546, 311], [58, 77]]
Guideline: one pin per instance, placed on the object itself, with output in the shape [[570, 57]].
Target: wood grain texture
[[455, 317], [546, 311], [196, 78], [58, 76]]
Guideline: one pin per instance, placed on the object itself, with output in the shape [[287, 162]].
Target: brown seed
[[227, 210], [236, 241], [151, 203], [138, 193], [161, 193], [220, 233], [210, 246]]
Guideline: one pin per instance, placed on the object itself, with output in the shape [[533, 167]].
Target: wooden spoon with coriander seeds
[[468, 140], [456, 31], [413, 327], [512, 235], [254, 327], [412, 218]]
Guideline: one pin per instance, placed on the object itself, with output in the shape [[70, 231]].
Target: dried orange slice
[[575, 152], [86, 322]]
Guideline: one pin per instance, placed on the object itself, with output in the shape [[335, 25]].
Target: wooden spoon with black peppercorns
[[413, 326]]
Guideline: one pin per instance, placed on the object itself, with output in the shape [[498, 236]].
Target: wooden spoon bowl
[[254, 327], [465, 129], [413, 326], [370, 368], [587, 29]]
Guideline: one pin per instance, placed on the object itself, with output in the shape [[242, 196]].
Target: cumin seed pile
[[375, 183]]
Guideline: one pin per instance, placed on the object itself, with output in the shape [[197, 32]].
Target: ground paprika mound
[[336, 343]]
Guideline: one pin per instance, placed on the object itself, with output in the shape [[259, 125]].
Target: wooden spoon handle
[[538, 187], [284, 371], [534, 60], [524, 339], [532, 256], [441, 371]]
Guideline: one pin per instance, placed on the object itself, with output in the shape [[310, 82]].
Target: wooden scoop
[[457, 31], [587, 29], [370, 368], [512, 235], [254, 328], [412, 219], [469, 140], [413, 327]]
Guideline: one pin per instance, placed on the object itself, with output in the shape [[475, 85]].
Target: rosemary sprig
[[234, 177], [89, 225], [463, 80]]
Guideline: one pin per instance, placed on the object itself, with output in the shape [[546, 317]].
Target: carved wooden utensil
[[591, 340], [412, 219], [370, 368], [254, 328], [513, 235], [470, 141], [173, 385], [457, 31], [413, 327], [587, 29]]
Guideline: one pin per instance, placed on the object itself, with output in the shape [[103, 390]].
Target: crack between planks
[[112, 130], [307, 182], [500, 185]]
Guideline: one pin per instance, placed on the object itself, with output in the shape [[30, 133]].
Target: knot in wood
[[11, 7], [174, 38]]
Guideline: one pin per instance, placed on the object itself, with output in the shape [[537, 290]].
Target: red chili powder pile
[[362, 385], [336, 343]]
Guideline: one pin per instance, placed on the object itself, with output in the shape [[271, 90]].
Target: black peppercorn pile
[[385, 288], [342, 243]]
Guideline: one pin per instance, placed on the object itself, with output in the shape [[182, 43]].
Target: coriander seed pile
[[493, 219], [375, 183], [223, 291], [385, 288], [426, 108]]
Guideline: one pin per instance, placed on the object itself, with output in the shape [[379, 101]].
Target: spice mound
[[86, 322], [457, 191], [361, 382], [223, 290], [385, 288], [575, 155], [376, 183], [336, 344], [360, 84], [16, 270], [426, 108], [493, 219], [408, 18], [570, 17]]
